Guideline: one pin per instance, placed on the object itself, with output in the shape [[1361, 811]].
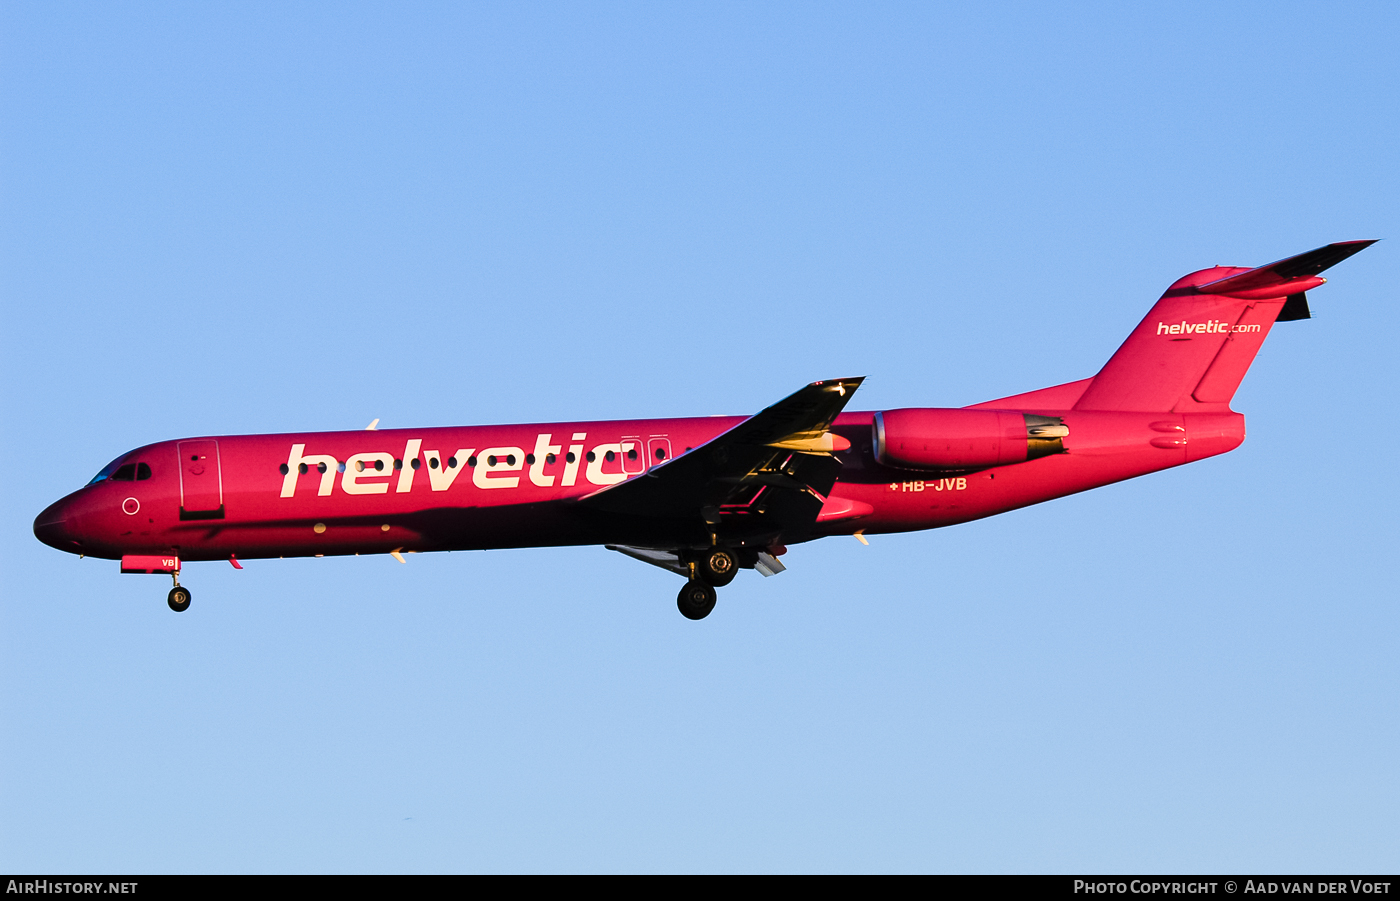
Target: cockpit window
[[106, 472], [119, 472]]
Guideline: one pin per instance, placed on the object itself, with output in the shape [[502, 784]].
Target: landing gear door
[[201, 481]]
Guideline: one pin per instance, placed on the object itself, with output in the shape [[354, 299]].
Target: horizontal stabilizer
[[1289, 276]]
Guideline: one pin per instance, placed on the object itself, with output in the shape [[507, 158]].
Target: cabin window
[[452, 462], [609, 456], [590, 456], [570, 457], [530, 459], [471, 461], [282, 468], [661, 453], [416, 463]]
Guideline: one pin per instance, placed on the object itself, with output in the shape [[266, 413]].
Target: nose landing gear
[[179, 598]]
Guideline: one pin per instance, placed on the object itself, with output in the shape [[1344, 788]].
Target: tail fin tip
[[1281, 278]]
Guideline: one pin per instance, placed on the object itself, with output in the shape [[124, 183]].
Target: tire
[[696, 600], [178, 599], [718, 567]]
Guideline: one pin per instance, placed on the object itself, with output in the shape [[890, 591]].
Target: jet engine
[[944, 439]]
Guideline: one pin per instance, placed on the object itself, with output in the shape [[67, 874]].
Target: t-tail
[[1193, 348]]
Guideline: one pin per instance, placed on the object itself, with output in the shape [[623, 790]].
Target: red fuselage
[[515, 486]]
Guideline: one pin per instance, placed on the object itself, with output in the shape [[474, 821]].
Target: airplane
[[701, 497]]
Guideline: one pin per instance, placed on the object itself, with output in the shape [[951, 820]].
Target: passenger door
[[201, 481]]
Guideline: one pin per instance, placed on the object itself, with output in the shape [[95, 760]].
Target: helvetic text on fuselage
[[493, 468]]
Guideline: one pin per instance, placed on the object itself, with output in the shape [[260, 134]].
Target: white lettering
[[441, 473], [362, 466], [595, 472], [571, 465], [542, 450], [498, 459], [410, 454], [295, 461], [1213, 327]]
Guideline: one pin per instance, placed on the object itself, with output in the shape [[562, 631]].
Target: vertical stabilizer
[[1199, 339]]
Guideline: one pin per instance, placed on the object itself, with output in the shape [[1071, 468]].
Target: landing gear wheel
[[178, 599], [718, 567], [696, 600]]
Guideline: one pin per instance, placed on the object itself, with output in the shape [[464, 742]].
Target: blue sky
[[255, 218]]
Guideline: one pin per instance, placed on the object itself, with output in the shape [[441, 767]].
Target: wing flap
[[667, 560]]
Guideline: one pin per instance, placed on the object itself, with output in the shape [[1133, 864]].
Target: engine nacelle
[[931, 438]]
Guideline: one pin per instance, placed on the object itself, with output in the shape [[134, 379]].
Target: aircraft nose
[[52, 528]]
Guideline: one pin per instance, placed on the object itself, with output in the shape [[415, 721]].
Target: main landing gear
[[711, 569], [696, 600], [717, 567]]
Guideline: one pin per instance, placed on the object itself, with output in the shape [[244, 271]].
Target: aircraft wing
[[769, 474]]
